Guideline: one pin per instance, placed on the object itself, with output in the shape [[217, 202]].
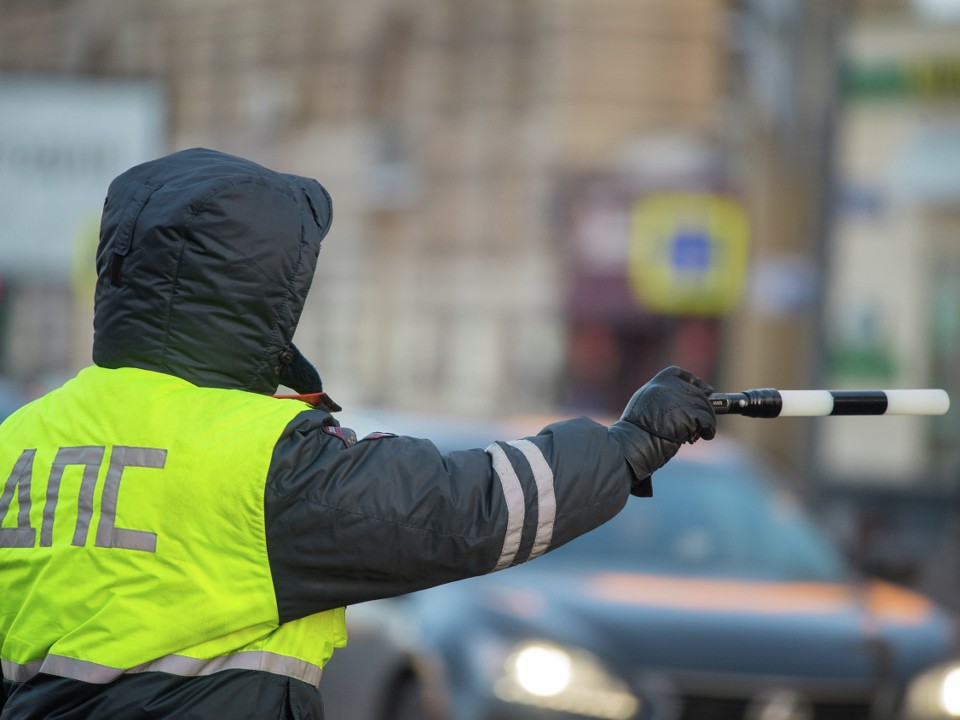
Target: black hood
[[204, 264]]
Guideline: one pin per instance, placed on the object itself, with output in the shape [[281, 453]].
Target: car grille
[[714, 708]]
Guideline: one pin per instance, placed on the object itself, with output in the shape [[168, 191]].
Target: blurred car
[[12, 397], [717, 599], [935, 694]]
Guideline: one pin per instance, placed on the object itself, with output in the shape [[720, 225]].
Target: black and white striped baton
[[770, 403]]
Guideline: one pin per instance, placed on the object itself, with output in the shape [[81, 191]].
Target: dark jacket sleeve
[[346, 523]]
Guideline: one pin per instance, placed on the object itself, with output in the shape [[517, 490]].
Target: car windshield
[[706, 520]]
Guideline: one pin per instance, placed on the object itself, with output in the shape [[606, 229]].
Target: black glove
[[671, 409]]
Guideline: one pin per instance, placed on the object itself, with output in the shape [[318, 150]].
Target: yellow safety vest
[[132, 534]]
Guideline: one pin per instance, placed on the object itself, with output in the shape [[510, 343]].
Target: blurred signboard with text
[[61, 143]]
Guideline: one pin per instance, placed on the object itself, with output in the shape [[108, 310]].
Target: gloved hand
[[671, 409]]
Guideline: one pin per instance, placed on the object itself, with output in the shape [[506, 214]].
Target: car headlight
[[564, 679], [935, 694]]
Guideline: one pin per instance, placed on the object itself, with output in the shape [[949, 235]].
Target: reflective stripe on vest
[[181, 665], [132, 534]]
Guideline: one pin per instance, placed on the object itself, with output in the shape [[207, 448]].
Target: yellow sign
[[688, 253], [83, 271]]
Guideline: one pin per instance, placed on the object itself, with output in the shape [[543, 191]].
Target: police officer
[[176, 543]]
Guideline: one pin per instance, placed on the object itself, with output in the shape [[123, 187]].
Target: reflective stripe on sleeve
[[546, 499], [513, 494], [181, 665]]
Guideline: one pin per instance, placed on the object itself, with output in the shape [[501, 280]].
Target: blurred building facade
[[444, 132], [485, 159]]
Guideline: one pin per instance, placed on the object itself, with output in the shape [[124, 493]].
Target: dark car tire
[[407, 701]]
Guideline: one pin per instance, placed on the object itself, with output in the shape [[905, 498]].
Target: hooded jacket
[[204, 264]]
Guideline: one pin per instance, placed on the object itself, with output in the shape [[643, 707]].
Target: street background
[[539, 203]]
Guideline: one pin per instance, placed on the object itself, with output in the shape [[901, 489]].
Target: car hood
[[696, 624]]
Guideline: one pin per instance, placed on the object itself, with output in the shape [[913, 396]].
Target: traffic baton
[[770, 403]]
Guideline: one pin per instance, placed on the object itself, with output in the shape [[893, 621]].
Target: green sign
[[899, 79]]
